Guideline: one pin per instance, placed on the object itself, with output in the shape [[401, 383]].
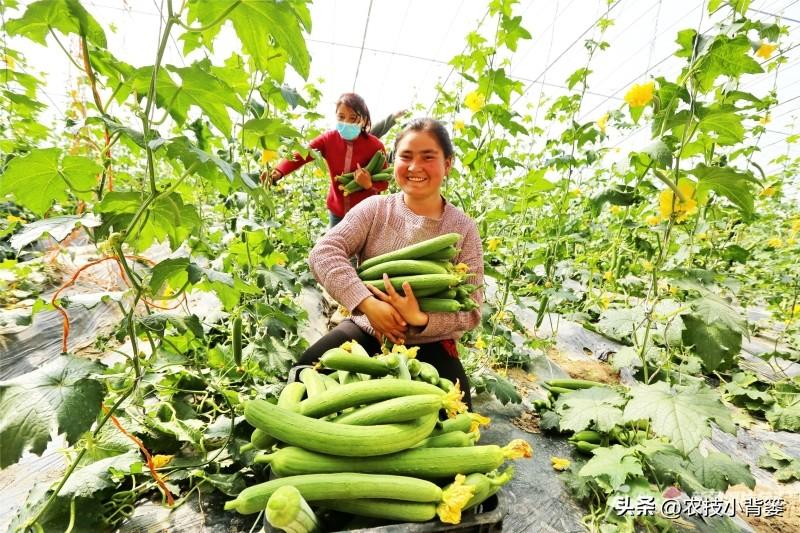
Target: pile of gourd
[[367, 440]]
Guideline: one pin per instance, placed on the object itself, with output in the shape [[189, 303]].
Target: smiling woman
[[386, 223]]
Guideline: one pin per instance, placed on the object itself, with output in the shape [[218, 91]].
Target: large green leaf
[[60, 396], [98, 475], [66, 16], [726, 57], [726, 127], [715, 344], [728, 182], [611, 466], [712, 309], [169, 270], [37, 180], [718, 471], [784, 418], [209, 93], [254, 21], [600, 405], [682, 413]]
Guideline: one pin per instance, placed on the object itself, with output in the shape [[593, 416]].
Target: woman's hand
[[385, 319], [407, 305], [362, 177]]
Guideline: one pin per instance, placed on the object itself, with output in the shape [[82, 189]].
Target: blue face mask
[[348, 131]]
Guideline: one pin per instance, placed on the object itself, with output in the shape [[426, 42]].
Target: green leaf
[[682, 413], [97, 476], [712, 309], [209, 93], [725, 57], [66, 16], [620, 324], [168, 270], [727, 127], [784, 418], [34, 181], [787, 467], [59, 396], [727, 182], [659, 153], [254, 21], [56, 227], [716, 344], [611, 466], [579, 409], [718, 471]]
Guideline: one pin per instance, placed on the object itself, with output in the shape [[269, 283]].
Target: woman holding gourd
[[348, 147], [381, 224]]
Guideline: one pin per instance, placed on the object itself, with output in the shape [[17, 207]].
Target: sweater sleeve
[[329, 260], [442, 324], [286, 166]]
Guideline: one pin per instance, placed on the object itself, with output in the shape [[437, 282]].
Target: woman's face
[[420, 165], [345, 113]]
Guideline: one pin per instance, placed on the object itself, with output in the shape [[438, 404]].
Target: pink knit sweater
[[381, 224]]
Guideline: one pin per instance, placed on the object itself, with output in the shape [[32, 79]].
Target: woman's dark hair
[[357, 104], [432, 126]]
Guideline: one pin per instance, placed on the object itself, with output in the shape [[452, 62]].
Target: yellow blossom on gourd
[[493, 244], [608, 276], [795, 225], [647, 266], [652, 220], [318, 172], [765, 50], [605, 300], [640, 95], [480, 344], [160, 461], [671, 206], [602, 122], [616, 209], [796, 310], [775, 242], [576, 192], [475, 101], [560, 463], [768, 192], [458, 125], [9, 61], [12, 219], [268, 155], [766, 119]]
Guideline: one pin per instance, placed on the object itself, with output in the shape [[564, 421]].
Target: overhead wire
[[567, 49], [363, 41]]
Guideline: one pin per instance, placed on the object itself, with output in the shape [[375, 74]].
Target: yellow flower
[[475, 101], [616, 209], [765, 50], [493, 244], [560, 463], [268, 155], [766, 119], [601, 123], [12, 219], [479, 344], [768, 192], [9, 61], [605, 300], [701, 236], [796, 225], [411, 353], [647, 266], [673, 290], [791, 241], [160, 461], [576, 192], [461, 268], [669, 205], [318, 172], [796, 310], [458, 125], [608, 276], [775, 242], [652, 220], [640, 95]]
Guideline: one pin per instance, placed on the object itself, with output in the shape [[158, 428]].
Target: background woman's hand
[[385, 320], [407, 305], [362, 177]]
